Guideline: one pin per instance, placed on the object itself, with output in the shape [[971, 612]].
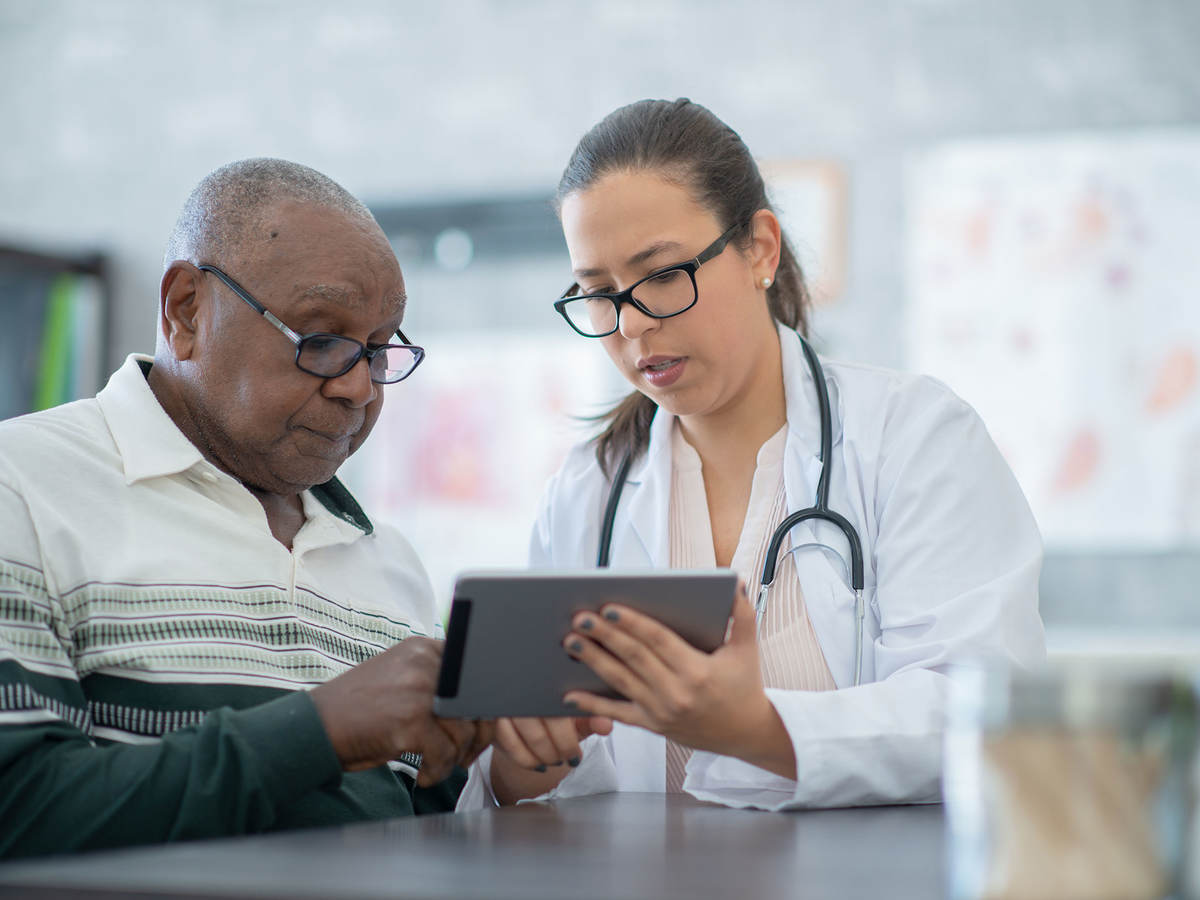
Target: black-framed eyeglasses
[[665, 293], [332, 355]]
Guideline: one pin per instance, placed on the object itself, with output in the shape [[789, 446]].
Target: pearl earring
[[766, 282]]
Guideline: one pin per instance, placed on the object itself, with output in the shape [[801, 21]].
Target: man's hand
[[383, 708]]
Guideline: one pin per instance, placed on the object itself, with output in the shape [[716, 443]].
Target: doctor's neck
[[732, 433]]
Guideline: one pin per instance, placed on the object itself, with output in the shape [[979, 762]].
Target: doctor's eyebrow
[[640, 257]]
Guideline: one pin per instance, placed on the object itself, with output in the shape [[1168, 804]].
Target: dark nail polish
[[612, 615], [574, 761], [586, 625], [575, 646], [541, 768], [570, 704]]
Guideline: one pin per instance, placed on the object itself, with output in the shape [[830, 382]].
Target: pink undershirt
[[790, 656]]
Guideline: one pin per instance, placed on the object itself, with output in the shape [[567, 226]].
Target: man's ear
[[180, 307]]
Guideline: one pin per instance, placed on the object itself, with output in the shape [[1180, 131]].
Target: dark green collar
[[339, 501]]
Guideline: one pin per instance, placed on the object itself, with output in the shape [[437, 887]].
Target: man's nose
[[354, 386]]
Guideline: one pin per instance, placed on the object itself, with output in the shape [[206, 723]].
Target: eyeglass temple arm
[[717, 246], [253, 304]]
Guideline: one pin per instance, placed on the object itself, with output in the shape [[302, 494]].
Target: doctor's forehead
[[629, 213]]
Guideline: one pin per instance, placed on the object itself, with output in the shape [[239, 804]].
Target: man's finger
[[438, 757], [485, 731], [460, 731]]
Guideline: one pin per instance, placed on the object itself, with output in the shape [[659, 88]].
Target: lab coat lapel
[[640, 755], [650, 496], [802, 465]]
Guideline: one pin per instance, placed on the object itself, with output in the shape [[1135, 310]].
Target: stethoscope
[[820, 511]]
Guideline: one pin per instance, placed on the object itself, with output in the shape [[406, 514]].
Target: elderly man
[[201, 633]]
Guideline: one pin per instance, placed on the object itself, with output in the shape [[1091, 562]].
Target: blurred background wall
[[922, 149]]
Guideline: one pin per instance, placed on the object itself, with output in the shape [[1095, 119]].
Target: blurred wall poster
[[51, 339], [1053, 284], [463, 449]]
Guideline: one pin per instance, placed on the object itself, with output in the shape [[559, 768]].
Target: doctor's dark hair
[[686, 144]]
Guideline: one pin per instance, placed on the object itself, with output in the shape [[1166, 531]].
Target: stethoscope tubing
[[819, 511]]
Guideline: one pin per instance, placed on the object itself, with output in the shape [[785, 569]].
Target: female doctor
[[682, 273]]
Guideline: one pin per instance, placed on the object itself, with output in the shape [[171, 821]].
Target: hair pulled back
[[685, 143]]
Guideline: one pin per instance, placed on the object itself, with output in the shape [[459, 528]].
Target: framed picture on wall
[[810, 197]]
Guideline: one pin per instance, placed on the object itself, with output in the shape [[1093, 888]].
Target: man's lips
[[332, 436]]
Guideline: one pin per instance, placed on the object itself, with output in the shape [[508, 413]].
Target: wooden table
[[608, 846]]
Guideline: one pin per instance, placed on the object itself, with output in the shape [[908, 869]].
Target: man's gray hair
[[222, 212]]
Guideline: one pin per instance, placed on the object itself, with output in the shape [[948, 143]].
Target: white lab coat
[[951, 557]]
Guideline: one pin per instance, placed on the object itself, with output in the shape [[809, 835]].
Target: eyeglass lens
[[328, 356], [666, 294]]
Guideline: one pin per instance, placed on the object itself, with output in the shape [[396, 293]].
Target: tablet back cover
[[504, 653]]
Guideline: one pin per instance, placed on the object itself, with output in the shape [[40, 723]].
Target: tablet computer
[[504, 654]]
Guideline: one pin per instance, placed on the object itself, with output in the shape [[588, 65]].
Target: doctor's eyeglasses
[[663, 294], [333, 355]]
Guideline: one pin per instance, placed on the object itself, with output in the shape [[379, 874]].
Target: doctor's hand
[[531, 756], [707, 701]]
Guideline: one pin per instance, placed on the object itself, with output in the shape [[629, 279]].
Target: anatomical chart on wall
[[1055, 285]]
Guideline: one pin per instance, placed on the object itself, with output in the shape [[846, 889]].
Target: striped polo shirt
[[142, 595]]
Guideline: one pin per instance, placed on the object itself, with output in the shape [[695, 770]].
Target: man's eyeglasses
[[332, 355], [666, 293]]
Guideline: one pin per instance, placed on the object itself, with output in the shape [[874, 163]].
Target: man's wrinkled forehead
[[393, 302], [326, 254]]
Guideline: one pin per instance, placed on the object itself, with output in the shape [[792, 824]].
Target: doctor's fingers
[[538, 743], [648, 650], [743, 620], [648, 691], [676, 653], [610, 710]]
